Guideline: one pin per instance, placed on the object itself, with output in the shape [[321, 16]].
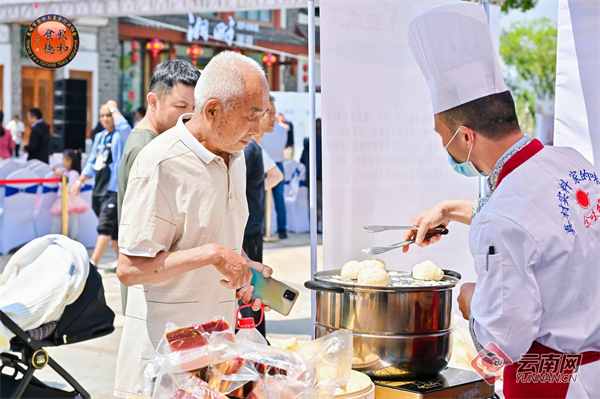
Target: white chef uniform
[[179, 196], [543, 283]]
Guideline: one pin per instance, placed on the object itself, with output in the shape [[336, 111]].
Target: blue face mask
[[466, 168]]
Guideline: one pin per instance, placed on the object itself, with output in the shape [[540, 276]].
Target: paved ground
[[93, 362]]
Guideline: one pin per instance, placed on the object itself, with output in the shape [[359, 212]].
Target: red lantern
[[155, 47], [135, 45], [134, 58], [305, 78], [305, 67], [269, 59], [131, 95], [194, 51]]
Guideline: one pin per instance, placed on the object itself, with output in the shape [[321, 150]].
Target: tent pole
[[483, 188], [313, 153]]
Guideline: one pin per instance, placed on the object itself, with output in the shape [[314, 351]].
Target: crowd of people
[[173, 92], [182, 190]]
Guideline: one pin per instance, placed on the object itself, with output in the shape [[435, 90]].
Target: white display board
[[294, 106], [383, 163], [577, 117]]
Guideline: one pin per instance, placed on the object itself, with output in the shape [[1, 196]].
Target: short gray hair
[[222, 79]]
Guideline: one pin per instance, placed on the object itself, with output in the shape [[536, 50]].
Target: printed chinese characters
[[563, 203], [548, 367], [582, 197]]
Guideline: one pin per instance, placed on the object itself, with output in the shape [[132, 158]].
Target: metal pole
[[483, 187], [312, 141], [65, 206]]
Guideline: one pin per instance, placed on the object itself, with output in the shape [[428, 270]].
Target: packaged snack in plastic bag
[[282, 387], [463, 349], [292, 364], [160, 380], [198, 346], [332, 357], [195, 388], [258, 363]]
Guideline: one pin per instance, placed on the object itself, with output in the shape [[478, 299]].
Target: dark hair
[[1, 116], [36, 112], [167, 74], [1, 120], [75, 157], [493, 116], [141, 111]]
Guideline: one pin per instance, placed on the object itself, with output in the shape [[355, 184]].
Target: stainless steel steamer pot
[[399, 332]]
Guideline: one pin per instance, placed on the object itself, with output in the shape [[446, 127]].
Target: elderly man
[[184, 215]]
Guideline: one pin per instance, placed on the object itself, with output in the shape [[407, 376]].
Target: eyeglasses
[[105, 115]]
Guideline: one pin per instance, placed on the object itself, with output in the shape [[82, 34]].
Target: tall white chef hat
[[453, 47]]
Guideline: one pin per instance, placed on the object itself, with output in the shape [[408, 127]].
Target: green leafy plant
[[529, 51], [530, 48], [522, 5]]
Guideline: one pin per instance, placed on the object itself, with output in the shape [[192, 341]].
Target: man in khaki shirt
[[184, 214]]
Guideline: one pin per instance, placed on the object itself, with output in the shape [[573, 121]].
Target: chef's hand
[[429, 219], [464, 299], [233, 266], [245, 293]]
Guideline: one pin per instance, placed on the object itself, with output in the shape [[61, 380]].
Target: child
[[71, 167]]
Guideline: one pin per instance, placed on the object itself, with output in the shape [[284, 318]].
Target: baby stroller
[[86, 318]]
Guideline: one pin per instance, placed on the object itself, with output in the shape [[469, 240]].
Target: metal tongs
[[379, 229], [379, 250]]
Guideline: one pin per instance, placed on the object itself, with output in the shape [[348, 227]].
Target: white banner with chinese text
[[383, 163]]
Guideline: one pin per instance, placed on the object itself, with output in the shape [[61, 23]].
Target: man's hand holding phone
[[245, 293]]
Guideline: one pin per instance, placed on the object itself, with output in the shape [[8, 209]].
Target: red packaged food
[[200, 345]]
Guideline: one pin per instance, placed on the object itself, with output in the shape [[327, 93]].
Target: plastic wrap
[[245, 366], [332, 357], [198, 346], [463, 349], [256, 361], [195, 388]]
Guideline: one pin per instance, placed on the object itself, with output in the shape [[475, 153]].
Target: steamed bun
[[373, 276], [373, 262], [351, 269], [427, 271]]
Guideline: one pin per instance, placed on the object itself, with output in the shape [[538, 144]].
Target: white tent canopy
[[28, 10]]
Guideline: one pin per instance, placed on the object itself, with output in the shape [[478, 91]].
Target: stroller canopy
[[40, 280]]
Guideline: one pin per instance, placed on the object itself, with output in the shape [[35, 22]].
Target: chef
[[536, 236]]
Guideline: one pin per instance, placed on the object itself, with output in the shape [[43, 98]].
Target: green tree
[[529, 50], [522, 5]]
